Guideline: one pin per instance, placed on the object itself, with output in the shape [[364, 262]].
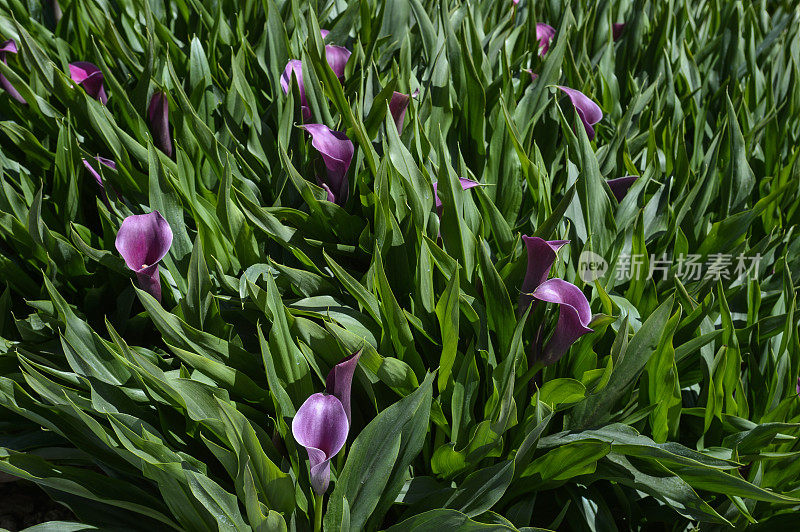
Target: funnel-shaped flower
[[398, 105], [544, 34], [88, 76], [541, 256], [588, 111], [324, 33], [9, 47], [619, 186], [616, 31], [573, 317], [158, 117], [295, 68], [534, 75], [337, 57], [798, 385], [321, 426], [340, 380], [143, 240], [337, 154], [466, 184], [97, 177]]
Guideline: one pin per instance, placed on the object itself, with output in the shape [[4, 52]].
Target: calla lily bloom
[[541, 256], [143, 240], [398, 105], [616, 31], [534, 75], [798, 385], [324, 33], [544, 34], [295, 68], [158, 117], [97, 177], [9, 47], [619, 186], [321, 426], [340, 380], [588, 111], [337, 58], [466, 184], [337, 153], [88, 76], [573, 317]]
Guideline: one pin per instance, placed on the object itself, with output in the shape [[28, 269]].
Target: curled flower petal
[[619, 186], [340, 380], [90, 78], [616, 31], [337, 57], [158, 117], [798, 385], [321, 426], [398, 106], [573, 317], [544, 34], [534, 75], [466, 184], [541, 256], [588, 111], [96, 175], [295, 68], [324, 33], [9, 47], [337, 153], [143, 240]]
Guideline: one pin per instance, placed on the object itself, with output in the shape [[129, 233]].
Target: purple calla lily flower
[[158, 117], [90, 78], [9, 47], [337, 57], [616, 31], [573, 317], [534, 75], [541, 256], [97, 177], [466, 184], [337, 153], [619, 186], [324, 33], [295, 68], [588, 111], [544, 34], [340, 380], [321, 426], [798, 385], [398, 105], [143, 240]]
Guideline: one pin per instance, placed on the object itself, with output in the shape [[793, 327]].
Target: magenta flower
[[534, 75], [337, 58], [588, 111], [798, 385], [466, 184], [9, 47], [544, 34], [97, 177], [158, 117], [616, 31], [337, 154], [541, 256], [340, 380], [324, 33], [90, 78], [619, 186], [398, 105], [321, 426], [573, 317], [143, 240]]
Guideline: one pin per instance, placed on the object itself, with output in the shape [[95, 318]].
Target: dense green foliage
[[680, 408]]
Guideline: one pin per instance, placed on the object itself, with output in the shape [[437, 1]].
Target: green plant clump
[[401, 265]]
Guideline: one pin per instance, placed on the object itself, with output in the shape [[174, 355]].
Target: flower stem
[[317, 513]]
